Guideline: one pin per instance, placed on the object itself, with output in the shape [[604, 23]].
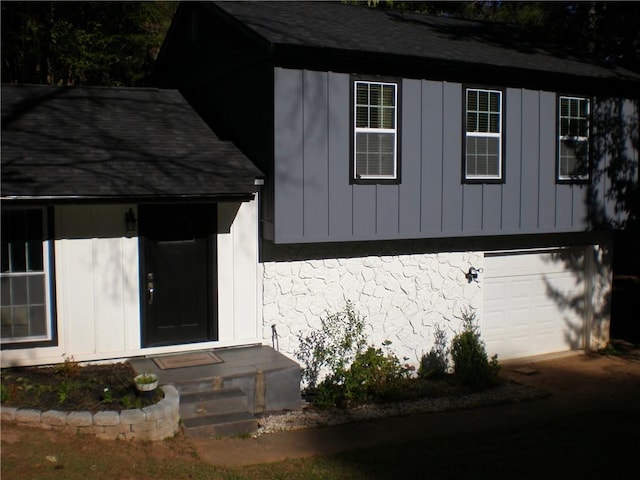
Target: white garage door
[[534, 302]]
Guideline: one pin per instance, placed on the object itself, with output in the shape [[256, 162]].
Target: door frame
[[212, 327]]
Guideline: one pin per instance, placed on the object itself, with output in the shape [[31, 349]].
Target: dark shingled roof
[[331, 28], [114, 143]]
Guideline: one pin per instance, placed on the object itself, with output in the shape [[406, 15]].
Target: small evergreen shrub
[[435, 364], [472, 368]]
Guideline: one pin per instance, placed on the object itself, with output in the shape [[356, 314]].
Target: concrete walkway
[[575, 383]]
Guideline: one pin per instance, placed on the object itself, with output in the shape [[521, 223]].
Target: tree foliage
[[82, 43]]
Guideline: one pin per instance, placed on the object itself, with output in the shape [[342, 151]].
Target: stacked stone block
[[155, 422]]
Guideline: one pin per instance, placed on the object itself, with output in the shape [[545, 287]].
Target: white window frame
[[579, 138], [47, 245], [390, 131], [472, 134]]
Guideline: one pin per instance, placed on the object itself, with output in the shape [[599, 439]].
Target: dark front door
[[177, 266]]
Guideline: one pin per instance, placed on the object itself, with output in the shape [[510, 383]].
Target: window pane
[[23, 299], [494, 123], [495, 102], [472, 125], [573, 158], [376, 120], [36, 289], [5, 320], [362, 117], [362, 94], [583, 127], [20, 318], [573, 148], [388, 99], [375, 154], [5, 291], [584, 108], [375, 94], [483, 111], [483, 101], [472, 100], [19, 291], [389, 118], [37, 321], [482, 157]]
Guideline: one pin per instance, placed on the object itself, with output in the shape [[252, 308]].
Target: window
[[25, 312], [375, 145], [573, 138], [483, 135]]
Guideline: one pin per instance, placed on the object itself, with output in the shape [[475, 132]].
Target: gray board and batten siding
[[314, 200]]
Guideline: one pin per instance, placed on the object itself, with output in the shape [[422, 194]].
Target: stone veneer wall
[[403, 296], [155, 422]]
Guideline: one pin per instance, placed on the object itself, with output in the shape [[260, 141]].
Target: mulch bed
[[71, 387]]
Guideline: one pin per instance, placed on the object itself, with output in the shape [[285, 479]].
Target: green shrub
[[435, 364], [472, 368], [373, 376], [332, 348]]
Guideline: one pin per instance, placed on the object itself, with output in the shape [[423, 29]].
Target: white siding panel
[[226, 215], [237, 273], [108, 284], [75, 293]]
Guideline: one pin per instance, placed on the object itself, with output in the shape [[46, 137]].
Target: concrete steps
[[230, 424], [209, 412], [221, 399]]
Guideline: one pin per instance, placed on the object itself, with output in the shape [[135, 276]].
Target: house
[[417, 166], [121, 213]]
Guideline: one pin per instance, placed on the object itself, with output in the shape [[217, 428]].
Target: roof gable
[[113, 143], [417, 41]]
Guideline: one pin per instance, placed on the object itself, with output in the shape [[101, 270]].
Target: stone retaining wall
[[154, 422]]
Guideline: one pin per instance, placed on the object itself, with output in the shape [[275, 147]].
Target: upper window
[[25, 312], [573, 138], [375, 124], [483, 135]]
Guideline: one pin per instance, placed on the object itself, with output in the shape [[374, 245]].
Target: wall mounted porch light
[[130, 220], [472, 274]]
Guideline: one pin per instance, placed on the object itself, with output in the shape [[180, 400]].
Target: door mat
[[187, 360]]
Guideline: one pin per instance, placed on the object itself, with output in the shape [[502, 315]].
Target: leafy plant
[[372, 376], [65, 390], [436, 362], [333, 347], [472, 368], [69, 368], [146, 378], [107, 396]]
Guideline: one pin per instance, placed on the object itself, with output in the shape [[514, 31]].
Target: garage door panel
[[529, 303]]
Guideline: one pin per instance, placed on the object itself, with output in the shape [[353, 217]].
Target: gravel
[[311, 417]]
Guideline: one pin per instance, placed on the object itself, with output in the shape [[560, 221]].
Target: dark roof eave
[[95, 199], [375, 63]]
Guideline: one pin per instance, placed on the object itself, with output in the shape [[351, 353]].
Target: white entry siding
[[97, 289], [534, 302]]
